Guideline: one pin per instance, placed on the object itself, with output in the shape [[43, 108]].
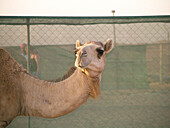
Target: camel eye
[[84, 54], [100, 52]]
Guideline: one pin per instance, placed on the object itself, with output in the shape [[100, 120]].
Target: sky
[[84, 7]]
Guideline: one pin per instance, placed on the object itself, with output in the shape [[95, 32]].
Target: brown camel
[[24, 95]]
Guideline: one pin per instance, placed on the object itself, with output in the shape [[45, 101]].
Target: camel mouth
[[82, 67]]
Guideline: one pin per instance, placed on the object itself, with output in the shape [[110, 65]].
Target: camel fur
[[24, 95]]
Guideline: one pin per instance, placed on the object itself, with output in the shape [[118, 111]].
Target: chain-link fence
[[136, 80]]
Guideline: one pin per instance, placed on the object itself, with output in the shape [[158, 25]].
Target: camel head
[[91, 57]]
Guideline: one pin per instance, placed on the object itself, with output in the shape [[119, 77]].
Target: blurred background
[[136, 80]]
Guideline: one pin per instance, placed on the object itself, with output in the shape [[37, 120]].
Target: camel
[[24, 95]]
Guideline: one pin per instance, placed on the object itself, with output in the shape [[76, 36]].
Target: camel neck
[[53, 99]]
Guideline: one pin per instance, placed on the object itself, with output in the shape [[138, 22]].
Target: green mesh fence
[[136, 80]]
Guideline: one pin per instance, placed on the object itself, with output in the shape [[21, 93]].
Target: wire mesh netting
[[135, 83]]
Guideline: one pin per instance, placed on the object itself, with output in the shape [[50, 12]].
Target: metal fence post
[[114, 31], [116, 52], [160, 62], [28, 58]]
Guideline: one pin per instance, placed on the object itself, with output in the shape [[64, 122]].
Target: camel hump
[[2, 51], [4, 55], [9, 63]]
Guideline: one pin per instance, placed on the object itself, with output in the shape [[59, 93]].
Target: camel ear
[[78, 44], [108, 46]]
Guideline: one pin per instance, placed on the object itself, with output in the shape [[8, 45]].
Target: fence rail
[[35, 20]]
